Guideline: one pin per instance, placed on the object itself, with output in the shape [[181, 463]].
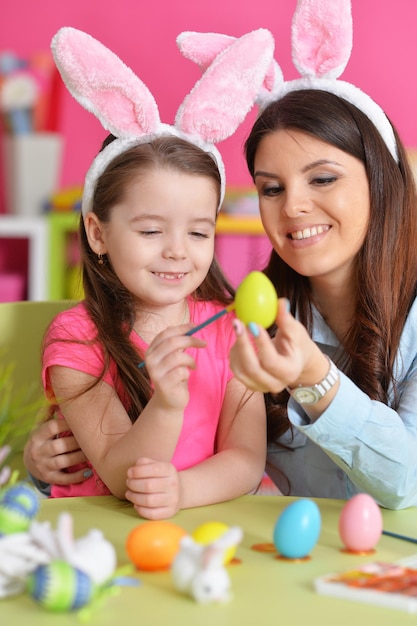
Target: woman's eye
[[324, 180], [271, 191]]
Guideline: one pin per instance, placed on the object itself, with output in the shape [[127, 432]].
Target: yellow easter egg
[[256, 300], [209, 532]]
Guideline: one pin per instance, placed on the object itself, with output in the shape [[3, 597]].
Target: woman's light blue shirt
[[358, 444]]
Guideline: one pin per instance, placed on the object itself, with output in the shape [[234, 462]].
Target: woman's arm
[[158, 491], [290, 359], [372, 443]]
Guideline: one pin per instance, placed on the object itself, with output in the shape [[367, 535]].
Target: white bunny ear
[[65, 535], [322, 37], [104, 85], [224, 95]]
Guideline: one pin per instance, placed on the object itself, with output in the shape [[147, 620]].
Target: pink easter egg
[[360, 523]]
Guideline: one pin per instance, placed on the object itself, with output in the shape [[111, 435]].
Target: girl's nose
[[175, 248]]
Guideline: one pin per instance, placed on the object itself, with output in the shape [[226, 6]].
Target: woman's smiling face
[[314, 203]]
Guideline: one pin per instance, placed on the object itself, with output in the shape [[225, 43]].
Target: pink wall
[[142, 33]]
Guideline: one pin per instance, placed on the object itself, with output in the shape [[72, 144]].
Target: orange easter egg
[[152, 546]]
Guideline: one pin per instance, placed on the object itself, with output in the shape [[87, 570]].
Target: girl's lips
[[307, 233]]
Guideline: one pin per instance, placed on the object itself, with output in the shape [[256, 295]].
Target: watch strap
[[320, 389]]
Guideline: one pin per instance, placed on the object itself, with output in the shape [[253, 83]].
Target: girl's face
[[160, 239], [314, 204]]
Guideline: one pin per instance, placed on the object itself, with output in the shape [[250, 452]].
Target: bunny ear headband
[[211, 112], [321, 47]]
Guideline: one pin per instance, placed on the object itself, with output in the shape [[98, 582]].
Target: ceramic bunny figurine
[[199, 570]]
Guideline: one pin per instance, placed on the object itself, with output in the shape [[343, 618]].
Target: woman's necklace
[[185, 318]]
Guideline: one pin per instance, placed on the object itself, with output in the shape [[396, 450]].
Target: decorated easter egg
[[360, 523], [256, 300], [19, 504], [210, 531], [297, 529], [153, 545], [60, 587]]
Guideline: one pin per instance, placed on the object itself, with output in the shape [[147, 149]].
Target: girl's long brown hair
[[386, 267], [109, 304]]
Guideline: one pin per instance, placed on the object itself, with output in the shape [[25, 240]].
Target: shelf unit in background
[[35, 230], [241, 246], [47, 264]]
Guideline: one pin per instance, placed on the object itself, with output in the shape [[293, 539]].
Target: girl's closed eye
[[199, 235], [149, 233]]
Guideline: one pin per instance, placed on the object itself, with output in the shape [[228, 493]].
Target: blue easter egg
[[18, 506], [60, 587], [297, 529]]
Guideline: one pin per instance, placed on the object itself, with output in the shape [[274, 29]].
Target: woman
[[341, 214]]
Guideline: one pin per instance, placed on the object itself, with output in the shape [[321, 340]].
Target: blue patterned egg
[[19, 504], [297, 529], [60, 587]]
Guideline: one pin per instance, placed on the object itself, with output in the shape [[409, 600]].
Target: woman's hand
[[153, 487], [51, 450], [289, 359], [169, 366]]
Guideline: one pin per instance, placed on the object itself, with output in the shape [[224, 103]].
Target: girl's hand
[[265, 364], [169, 366], [153, 487], [50, 451]]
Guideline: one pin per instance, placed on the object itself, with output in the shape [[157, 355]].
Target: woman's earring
[[100, 259]]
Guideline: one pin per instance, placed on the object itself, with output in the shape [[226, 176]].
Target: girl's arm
[[101, 425], [158, 491]]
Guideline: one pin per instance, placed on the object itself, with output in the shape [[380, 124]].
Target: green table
[[266, 590]]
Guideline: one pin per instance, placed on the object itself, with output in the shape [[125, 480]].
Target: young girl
[[181, 429]]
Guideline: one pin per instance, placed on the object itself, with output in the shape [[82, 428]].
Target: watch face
[[305, 395]]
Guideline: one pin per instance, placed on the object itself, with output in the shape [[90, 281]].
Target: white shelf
[[35, 229]]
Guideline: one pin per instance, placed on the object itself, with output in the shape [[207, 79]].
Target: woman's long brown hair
[[386, 267], [109, 304]]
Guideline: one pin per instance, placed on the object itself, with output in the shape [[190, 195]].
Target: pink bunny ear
[[203, 48], [221, 99], [104, 85], [322, 37]]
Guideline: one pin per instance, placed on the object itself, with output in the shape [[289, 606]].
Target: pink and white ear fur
[[321, 37], [104, 85], [203, 48], [224, 95]]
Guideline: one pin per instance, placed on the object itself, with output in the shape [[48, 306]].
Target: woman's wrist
[[311, 394]]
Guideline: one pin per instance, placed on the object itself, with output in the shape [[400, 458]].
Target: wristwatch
[[311, 395]]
